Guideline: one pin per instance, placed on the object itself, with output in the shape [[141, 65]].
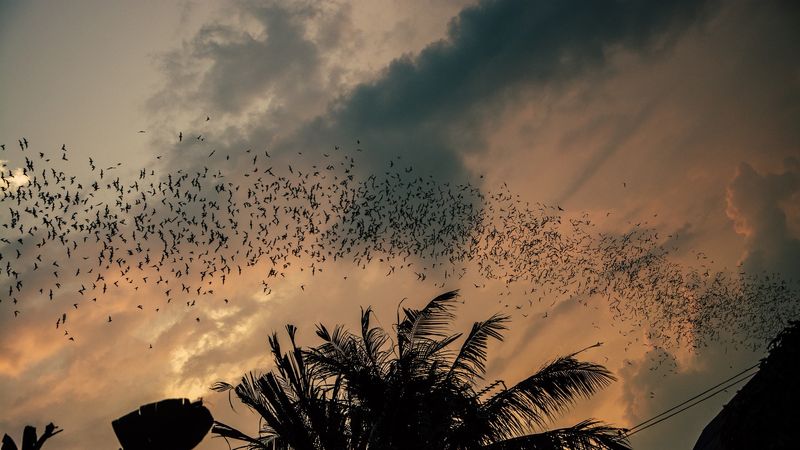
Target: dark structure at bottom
[[172, 424]]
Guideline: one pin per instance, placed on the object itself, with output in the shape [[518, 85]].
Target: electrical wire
[[694, 397], [691, 405], [732, 381]]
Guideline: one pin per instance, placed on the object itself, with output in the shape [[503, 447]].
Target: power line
[[692, 398], [647, 423], [691, 405]]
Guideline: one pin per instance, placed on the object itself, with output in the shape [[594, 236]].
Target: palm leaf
[[551, 390], [360, 391], [586, 435], [338, 355], [373, 340], [469, 365], [427, 323], [228, 432]]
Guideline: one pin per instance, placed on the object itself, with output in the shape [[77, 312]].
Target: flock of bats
[[73, 237]]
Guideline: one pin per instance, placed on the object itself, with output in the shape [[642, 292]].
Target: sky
[[676, 117]]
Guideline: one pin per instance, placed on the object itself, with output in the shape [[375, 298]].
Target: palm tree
[[415, 391]]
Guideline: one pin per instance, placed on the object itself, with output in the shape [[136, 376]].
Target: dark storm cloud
[[428, 107], [431, 106], [493, 47]]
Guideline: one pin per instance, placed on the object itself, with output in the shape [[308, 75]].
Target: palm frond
[[489, 388], [228, 432], [280, 402], [250, 393], [310, 411], [586, 435], [373, 340], [470, 363], [364, 390], [221, 386], [430, 351], [338, 355], [535, 400], [429, 322]]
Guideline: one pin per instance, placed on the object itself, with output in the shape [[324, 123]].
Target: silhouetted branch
[[29, 441]]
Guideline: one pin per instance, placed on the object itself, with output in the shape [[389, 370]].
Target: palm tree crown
[[417, 390]]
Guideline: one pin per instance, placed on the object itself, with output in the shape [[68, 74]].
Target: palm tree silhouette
[[414, 391]]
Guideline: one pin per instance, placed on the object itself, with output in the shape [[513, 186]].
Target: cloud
[[273, 75], [271, 59], [758, 204], [244, 67], [11, 178], [430, 107]]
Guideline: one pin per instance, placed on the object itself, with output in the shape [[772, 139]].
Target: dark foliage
[[29, 439], [416, 389]]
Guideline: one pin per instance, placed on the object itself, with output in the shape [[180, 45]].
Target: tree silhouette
[[29, 439], [414, 390]]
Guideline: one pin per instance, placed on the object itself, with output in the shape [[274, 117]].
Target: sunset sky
[[677, 116]]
